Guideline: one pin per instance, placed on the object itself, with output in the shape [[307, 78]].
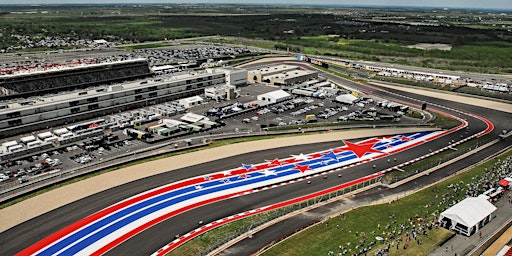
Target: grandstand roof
[[57, 67]]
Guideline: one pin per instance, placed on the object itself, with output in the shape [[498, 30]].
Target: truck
[[311, 118]]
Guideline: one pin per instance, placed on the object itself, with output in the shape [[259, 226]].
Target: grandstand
[[32, 81], [47, 112]]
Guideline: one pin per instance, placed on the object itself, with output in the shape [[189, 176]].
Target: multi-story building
[[48, 112]]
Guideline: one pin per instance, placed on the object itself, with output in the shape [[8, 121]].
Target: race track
[[151, 239]]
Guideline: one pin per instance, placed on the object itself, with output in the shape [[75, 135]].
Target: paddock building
[[281, 75]]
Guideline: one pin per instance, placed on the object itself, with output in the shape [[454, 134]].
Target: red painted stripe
[[153, 222], [98, 215], [224, 221], [91, 218]]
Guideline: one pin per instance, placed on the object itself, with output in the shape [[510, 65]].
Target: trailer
[[142, 135]]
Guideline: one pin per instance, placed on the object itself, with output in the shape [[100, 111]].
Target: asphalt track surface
[[261, 239], [147, 242]]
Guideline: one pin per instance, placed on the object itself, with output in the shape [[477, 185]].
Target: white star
[[268, 172], [198, 187], [326, 162], [301, 157], [386, 140], [226, 173]]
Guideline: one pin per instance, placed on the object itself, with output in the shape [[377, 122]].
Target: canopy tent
[[505, 182], [274, 96], [192, 118], [346, 99], [468, 215]]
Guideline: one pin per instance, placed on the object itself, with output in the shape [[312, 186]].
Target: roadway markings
[[181, 196]]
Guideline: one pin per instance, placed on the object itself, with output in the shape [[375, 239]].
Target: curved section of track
[[108, 228], [223, 197]]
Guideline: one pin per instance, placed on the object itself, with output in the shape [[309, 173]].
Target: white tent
[[191, 101], [274, 96], [468, 215], [192, 118], [346, 99]]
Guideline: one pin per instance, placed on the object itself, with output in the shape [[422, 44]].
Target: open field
[[476, 45]]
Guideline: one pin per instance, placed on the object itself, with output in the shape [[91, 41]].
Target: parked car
[[23, 179]]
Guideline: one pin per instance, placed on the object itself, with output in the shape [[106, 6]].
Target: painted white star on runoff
[[386, 140], [301, 157], [268, 172]]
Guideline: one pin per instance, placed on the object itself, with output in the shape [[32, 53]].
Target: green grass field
[[341, 231]]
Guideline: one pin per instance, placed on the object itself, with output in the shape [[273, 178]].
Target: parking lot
[[295, 113]]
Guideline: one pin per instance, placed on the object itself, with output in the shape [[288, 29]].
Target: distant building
[[281, 75], [100, 43], [56, 78], [258, 75], [291, 77], [235, 76]]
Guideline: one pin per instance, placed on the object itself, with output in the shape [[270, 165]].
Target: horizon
[[501, 5]]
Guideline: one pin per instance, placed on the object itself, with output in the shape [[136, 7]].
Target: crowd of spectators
[[397, 236]]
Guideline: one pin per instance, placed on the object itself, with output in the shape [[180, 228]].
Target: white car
[[23, 179]]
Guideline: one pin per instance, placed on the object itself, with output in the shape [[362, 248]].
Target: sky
[[463, 4]]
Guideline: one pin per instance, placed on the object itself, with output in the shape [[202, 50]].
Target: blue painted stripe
[[114, 222], [181, 195]]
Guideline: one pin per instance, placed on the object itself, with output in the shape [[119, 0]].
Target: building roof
[[60, 131], [44, 135], [469, 211], [10, 143], [100, 41], [28, 139], [192, 99], [275, 69], [505, 182], [279, 94], [290, 74], [171, 122], [163, 67], [192, 118]]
